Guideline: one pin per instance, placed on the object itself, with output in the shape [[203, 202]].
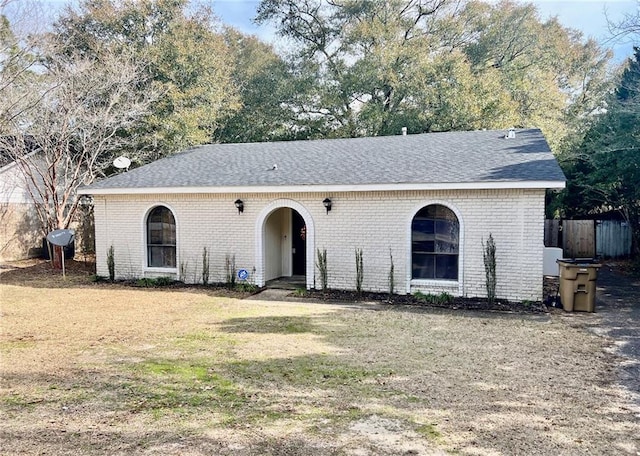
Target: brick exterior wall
[[20, 232], [20, 229], [376, 222]]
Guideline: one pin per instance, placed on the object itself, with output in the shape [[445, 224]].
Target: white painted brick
[[373, 221]]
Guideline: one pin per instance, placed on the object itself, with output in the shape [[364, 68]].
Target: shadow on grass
[[238, 393], [57, 439]]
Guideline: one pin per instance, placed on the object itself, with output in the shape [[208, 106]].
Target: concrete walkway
[[618, 317]]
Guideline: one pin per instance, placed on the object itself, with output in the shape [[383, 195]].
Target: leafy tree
[[603, 169], [435, 65], [184, 57], [266, 90], [553, 77]]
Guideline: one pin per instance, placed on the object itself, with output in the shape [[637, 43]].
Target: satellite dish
[[61, 237], [122, 162]]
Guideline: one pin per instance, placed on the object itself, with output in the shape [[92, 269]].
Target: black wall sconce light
[[327, 204], [240, 205]]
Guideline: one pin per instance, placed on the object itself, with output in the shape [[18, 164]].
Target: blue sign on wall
[[243, 274]]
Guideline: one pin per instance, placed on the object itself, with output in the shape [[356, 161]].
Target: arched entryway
[[285, 243]]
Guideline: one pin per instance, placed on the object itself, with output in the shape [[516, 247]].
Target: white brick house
[[428, 200]]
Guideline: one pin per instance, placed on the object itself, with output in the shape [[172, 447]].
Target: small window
[[161, 238], [435, 233]]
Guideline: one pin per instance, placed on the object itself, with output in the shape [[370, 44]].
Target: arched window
[[161, 238], [435, 234]]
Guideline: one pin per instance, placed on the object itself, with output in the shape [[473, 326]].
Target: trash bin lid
[[579, 262]]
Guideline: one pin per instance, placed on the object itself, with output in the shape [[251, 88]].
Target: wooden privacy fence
[[589, 238]]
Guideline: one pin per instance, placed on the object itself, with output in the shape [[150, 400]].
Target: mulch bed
[[456, 303]]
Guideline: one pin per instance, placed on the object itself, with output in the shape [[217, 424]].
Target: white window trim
[[260, 233], [145, 255], [431, 282]]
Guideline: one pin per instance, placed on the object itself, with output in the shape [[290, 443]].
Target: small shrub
[[489, 257], [97, 278], [205, 266], [184, 265], [420, 295], [439, 299], [246, 287], [146, 282], [150, 282], [322, 268], [111, 263], [163, 281], [230, 270], [359, 271], [392, 281], [300, 292]]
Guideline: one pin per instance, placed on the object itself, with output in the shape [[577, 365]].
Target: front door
[[298, 244]]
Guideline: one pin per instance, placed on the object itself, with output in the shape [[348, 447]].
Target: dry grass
[[102, 369]]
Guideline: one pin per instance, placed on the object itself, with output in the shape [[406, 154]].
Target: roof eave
[[484, 185]]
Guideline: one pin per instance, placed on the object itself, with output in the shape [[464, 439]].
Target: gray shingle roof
[[447, 158]]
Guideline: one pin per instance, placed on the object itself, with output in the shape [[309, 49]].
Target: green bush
[[439, 299], [149, 282], [164, 281], [246, 287], [146, 282]]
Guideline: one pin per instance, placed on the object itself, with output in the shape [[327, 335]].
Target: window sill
[[435, 283], [164, 270]]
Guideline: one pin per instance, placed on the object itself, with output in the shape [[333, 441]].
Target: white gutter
[[326, 188]]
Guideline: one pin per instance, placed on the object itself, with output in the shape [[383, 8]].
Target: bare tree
[[628, 27], [73, 127]]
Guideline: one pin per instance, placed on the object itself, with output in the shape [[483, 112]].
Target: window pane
[[162, 257], [446, 267], [423, 266], [161, 238], [435, 232]]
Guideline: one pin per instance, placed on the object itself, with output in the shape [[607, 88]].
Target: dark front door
[[298, 244]]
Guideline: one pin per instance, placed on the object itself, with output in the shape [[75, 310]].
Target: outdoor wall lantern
[[240, 205], [327, 204]]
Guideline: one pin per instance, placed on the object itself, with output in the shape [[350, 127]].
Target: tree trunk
[[56, 259]]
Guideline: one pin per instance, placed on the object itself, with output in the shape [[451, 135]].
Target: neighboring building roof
[[475, 159], [8, 149]]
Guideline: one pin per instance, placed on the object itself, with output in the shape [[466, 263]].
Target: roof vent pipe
[[511, 133], [404, 131]]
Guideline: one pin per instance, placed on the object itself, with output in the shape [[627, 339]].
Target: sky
[[588, 16]]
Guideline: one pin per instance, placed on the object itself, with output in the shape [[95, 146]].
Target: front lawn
[[105, 369]]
